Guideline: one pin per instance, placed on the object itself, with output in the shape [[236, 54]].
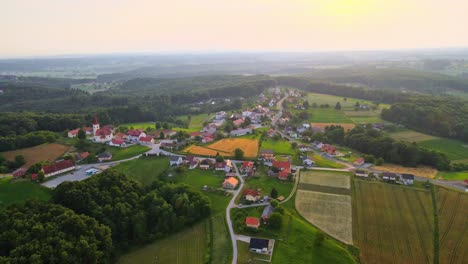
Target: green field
[[332, 100], [222, 247], [144, 170], [245, 256], [367, 119], [411, 136], [128, 152], [188, 246], [12, 191], [454, 149], [328, 115], [393, 224], [281, 146], [140, 125], [453, 175], [325, 163], [264, 184]]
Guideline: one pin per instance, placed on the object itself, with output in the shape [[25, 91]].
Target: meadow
[[265, 184], [325, 163], [32, 155], [144, 170], [346, 127], [393, 224], [411, 136], [128, 152], [452, 209], [326, 178], [328, 115], [453, 175], [280, 146], [454, 149], [18, 191]]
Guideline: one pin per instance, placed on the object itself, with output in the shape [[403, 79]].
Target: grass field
[[281, 146], [454, 149], [128, 152], [188, 246], [323, 125], [421, 171], [226, 147], [144, 170], [12, 191], [140, 125], [245, 256], [453, 175], [367, 119], [411, 136], [393, 224], [453, 225], [332, 100], [264, 184], [326, 208], [44, 152], [325, 163], [328, 115], [222, 247]]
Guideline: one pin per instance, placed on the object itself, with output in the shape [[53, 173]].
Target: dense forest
[[134, 214], [440, 116]]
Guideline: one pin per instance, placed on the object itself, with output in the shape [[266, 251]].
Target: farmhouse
[[308, 162], [252, 222], [241, 132], [58, 168], [247, 167], [230, 183], [176, 160], [361, 173], [73, 133], [19, 172], [407, 179], [192, 162], [104, 156], [317, 144], [330, 150], [258, 245], [284, 174], [238, 122], [251, 195], [389, 177], [359, 162], [148, 140], [206, 164], [267, 155], [282, 165], [135, 135], [193, 135], [117, 142]]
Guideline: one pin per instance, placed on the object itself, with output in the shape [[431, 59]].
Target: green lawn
[[125, 153], [328, 115], [325, 163], [264, 184], [12, 191], [455, 175], [454, 149], [245, 256], [140, 125], [366, 119], [144, 170], [332, 100], [281, 146]]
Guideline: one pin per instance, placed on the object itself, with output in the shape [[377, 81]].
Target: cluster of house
[[295, 132], [255, 222], [283, 167], [390, 177], [327, 149], [108, 135], [49, 170]]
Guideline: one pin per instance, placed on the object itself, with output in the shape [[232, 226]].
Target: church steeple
[[95, 125]]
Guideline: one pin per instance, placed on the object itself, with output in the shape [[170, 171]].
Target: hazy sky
[[47, 27]]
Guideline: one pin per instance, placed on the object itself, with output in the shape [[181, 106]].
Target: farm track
[[453, 214]]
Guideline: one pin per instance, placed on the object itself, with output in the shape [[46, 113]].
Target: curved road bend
[[228, 216]]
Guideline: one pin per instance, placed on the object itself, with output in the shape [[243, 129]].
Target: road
[[231, 205]]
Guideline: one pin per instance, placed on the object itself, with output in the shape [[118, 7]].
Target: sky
[[57, 27]]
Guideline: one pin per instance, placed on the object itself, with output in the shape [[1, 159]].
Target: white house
[[176, 160], [407, 179], [241, 132], [148, 140], [73, 133], [117, 142], [135, 135]]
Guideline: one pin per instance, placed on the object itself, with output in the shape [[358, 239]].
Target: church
[[101, 135]]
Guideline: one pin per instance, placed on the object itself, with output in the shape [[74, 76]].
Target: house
[[330, 150], [259, 245], [230, 183], [168, 143], [208, 139], [176, 160], [284, 174], [252, 222], [83, 155], [389, 177], [34, 176], [359, 162], [317, 144], [206, 164], [104, 156], [303, 148], [308, 162], [220, 166], [135, 135], [267, 155], [58, 167], [117, 142], [271, 132], [361, 173], [241, 132], [251, 195], [101, 135], [407, 179], [210, 129], [73, 133], [148, 140], [267, 211], [120, 135], [192, 162], [88, 130], [247, 113], [220, 115], [195, 134], [247, 167], [19, 172], [378, 126], [282, 165], [238, 122]]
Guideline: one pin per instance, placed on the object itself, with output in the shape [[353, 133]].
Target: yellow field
[[323, 125], [324, 178], [226, 147], [422, 171], [330, 212], [44, 152]]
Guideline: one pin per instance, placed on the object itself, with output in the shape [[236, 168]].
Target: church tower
[[95, 125]]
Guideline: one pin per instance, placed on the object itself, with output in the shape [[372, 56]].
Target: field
[[264, 184], [128, 152], [323, 125], [328, 115], [453, 175], [144, 170], [454, 149], [393, 224], [49, 152], [226, 147], [140, 125], [453, 225], [222, 248], [323, 199], [245, 256], [421, 171], [411, 136], [19, 191], [188, 246], [325, 163], [332, 100], [281, 146]]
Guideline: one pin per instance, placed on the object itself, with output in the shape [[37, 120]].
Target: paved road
[[231, 205]]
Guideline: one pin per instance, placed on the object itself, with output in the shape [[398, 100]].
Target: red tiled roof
[[359, 161], [231, 180], [246, 164], [120, 135], [194, 134], [84, 155], [250, 192], [146, 139], [281, 164], [238, 122], [466, 181], [252, 221], [34, 176], [57, 166], [74, 131], [117, 141], [95, 121], [103, 132], [19, 172], [220, 164], [284, 174]]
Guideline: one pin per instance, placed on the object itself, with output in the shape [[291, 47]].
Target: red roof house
[[252, 222], [73, 133], [118, 142], [192, 135], [238, 122], [329, 149], [282, 165], [58, 167], [359, 162], [34, 176], [19, 172], [147, 140], [251, 195], [284, 174], [247, 166], [84, 155]]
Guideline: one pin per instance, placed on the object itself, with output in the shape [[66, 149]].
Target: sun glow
[[348, 7]]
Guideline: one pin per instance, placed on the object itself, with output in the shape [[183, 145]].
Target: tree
[[305, 104], [357, 105], [82, 144], [219, 158], [274, 203], [238, 154], [158, 125], [274, 193], [294, 145], [319, 238], [19, 161], [345, 99], [379, 161], [161, 135], [81, 134], [40, 176], [304, 115], [338, 106], [275, 220], [314, 105], [165, 125]]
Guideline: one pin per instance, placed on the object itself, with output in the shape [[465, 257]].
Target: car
[[241, 205]]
